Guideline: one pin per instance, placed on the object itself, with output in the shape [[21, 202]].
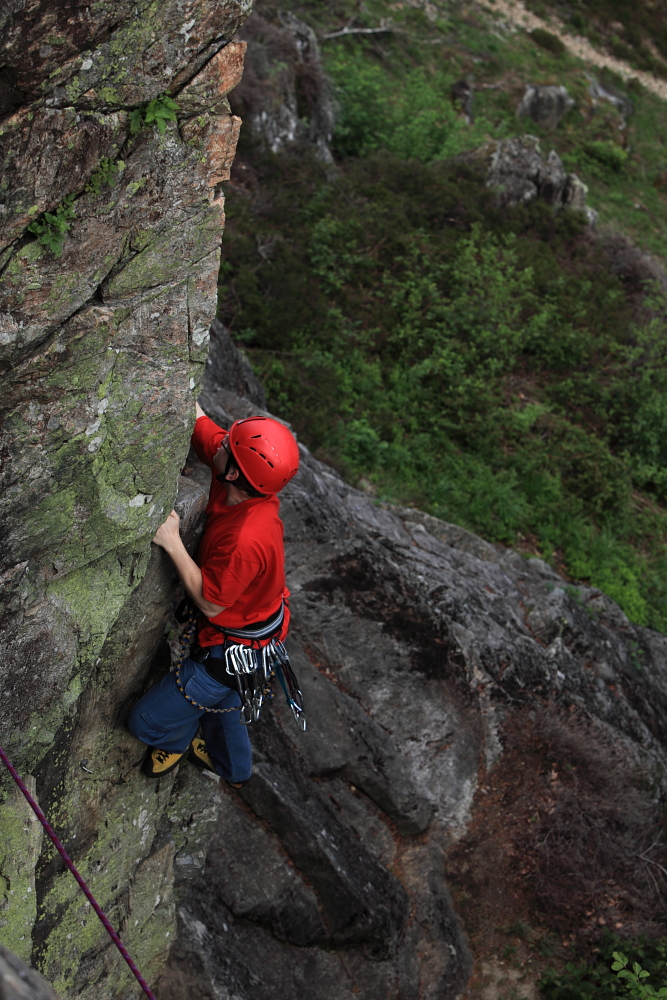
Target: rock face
[[415, 643], [103, 341]]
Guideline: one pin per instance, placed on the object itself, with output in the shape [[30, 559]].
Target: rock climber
[[238, 585]]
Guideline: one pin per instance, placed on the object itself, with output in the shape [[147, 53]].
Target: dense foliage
[[482, 364]]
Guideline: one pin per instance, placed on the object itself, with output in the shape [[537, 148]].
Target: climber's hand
[[168, 534]]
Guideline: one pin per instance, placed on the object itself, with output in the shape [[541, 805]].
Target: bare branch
[[385, 25], [650, 861]]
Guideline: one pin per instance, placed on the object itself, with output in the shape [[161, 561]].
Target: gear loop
[[254, 669]]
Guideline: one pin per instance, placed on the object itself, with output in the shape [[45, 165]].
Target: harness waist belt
[[256, 630]]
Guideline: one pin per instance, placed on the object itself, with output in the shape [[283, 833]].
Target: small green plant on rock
[[159, 111], [51, 228], [105, 175]]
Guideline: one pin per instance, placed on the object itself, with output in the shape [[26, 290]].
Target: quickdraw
[[253, 670]]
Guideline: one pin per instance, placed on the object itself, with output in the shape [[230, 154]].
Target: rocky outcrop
[[110, 226], [546, 105], [518, 172], [416, 644], [285, 96]]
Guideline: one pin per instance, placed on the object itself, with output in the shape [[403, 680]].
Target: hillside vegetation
[[483, 364]]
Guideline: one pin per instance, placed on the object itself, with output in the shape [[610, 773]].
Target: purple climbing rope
[[70, 864]]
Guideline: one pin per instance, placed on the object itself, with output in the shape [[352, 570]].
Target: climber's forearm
[[190, 574], [168, 538]]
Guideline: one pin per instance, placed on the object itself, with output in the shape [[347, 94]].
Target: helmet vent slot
[[256, 436]]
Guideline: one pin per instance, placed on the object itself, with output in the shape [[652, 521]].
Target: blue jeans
[[163, 718]]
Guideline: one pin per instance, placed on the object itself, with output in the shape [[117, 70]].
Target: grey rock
[[248, 866], [227, 368], [462, 97], [518, 172], [361, 901], [18, 982], [611, 96], [545, 105], [285, 96], [342, 738]]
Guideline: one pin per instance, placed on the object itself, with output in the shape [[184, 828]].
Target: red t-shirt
[[241, 553]]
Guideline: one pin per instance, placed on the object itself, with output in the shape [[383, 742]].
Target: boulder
[[518, 172], [545, 105]]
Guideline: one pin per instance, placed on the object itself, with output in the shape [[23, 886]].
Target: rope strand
[[70, 864]]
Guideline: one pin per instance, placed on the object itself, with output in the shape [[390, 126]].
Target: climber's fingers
[[169, 531]]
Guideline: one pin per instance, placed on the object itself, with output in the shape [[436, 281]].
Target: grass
[[484, 365]]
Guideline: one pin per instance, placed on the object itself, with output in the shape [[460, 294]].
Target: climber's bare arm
[[167, 537], [198, 411]]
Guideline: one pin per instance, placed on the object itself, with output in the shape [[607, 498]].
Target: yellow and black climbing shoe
[[159, 762], [199, 755]]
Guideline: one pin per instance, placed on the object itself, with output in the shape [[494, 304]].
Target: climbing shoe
[[199, 755], [159, 762]]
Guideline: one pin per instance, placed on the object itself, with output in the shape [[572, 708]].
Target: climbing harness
[[251, 669], [70, 864]]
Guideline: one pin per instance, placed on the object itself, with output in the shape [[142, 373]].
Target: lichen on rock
[[102, 350]]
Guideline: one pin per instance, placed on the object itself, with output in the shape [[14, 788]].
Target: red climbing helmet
[[266, 452]]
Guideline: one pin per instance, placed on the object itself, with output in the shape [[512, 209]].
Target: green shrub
[[635, 978], [479, 362], [413, 119], [391, 335], [607, 153], [598, 979], [546, 40], [105, 175]]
